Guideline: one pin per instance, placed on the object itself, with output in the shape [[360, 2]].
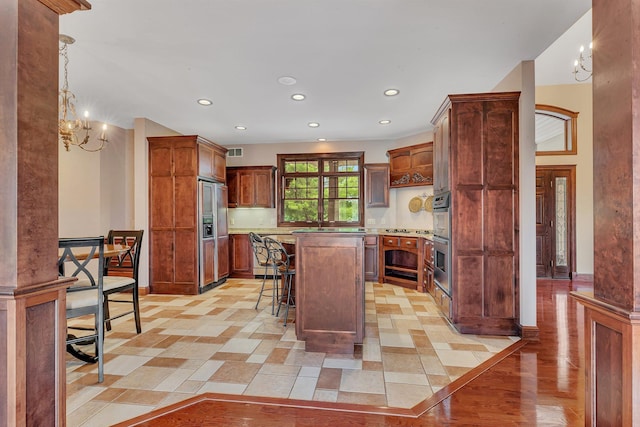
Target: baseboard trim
[[529, 333]]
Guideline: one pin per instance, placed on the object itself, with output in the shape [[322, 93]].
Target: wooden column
[[32, 299], [612, 313]]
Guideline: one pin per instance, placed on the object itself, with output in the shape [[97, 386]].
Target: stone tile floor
[[218, 342]]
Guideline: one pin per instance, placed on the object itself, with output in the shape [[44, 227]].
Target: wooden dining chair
[[84, 297], [121, 276]]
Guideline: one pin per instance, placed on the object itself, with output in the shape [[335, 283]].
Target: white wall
[[78, 193], [116, 182], [578, 98], [144, 128], [94, 188], [522, 79], [396, 216]]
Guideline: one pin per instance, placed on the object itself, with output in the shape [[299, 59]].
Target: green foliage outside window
[[331, 195]]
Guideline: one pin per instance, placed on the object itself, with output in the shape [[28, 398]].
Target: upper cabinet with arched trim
[[556, 131]]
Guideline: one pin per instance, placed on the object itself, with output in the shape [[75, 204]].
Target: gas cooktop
[[396, 230], [404, 230]]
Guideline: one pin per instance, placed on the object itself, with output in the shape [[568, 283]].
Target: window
[[321, 189], [556, 130]]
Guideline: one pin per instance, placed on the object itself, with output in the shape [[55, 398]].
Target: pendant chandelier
[[71, 130], [583, 66]]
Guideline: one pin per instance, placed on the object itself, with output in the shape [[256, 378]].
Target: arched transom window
[[556, 131]]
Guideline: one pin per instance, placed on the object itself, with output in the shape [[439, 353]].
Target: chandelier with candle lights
[[583, 66], [72, 130]]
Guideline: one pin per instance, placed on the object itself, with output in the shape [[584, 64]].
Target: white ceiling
[[554, 66], [155, 58]]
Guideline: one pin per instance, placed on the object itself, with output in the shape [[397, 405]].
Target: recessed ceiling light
[[287, 80], [205, 102], [384, 122], [391, 92], [241, 127], [298, 97], [313, 124], [322, 139]]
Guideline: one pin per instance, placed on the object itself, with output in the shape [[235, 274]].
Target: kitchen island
[[330, 288]]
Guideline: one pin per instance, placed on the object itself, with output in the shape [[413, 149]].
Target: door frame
[[571, 214]]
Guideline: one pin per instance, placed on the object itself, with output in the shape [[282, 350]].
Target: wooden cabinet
[[251, 186], [330, 294], [212, 160], [442, 300], [223, 256], [376, 185], [174, 166], [371, 258], [223, 231], [441, 137], [401, 261], [232, 184], [208, 260], [427, 267], [411, 166], [240, 256], [483, 180]]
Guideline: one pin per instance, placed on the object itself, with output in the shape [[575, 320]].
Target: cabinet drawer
[[408, 242], [391, 241], [442, 300], [370, 240]]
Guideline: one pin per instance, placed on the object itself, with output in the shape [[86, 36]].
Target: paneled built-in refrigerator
[[213, 234]]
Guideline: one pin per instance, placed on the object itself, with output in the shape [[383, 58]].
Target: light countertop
[[371, 231]]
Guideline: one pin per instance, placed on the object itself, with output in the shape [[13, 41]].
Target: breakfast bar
[[330, 288]]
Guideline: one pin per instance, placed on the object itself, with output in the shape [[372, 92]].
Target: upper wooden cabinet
[[411, 166], [212, 160], [251, 186], [441, 136], [377, 185]]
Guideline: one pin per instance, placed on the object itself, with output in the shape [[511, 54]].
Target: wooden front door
[[555, 221]]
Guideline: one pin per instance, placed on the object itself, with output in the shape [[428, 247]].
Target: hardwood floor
[[539, 383]]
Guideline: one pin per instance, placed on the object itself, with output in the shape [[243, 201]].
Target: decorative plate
[[428, 204], [415, 204]]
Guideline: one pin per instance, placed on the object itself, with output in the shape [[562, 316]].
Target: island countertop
[[369, 231], [331, 230]]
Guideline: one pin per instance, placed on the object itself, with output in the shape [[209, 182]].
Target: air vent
[[234, 152]]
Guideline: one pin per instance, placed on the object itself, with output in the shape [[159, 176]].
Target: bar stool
[[281, 261], [261, 253]]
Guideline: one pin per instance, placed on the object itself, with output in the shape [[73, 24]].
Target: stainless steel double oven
[[441, 242]]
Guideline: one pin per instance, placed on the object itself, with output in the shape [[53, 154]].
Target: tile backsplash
[[404, 217], [252, 217], [396, 215]]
